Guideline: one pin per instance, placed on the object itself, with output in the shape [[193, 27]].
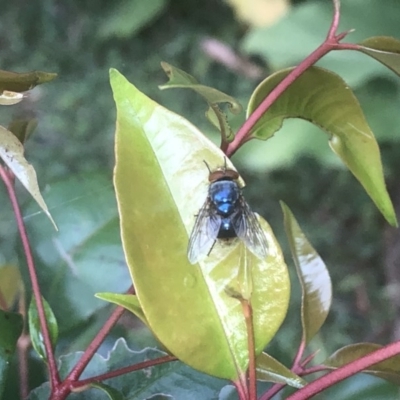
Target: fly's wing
[[248, 229], [204, 233]]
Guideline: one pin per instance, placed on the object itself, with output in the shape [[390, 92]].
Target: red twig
[[8, 180], [346, 371], [331, 43], [299, 355], [65, 387], [96, 342], [241, 388], [248, 315], [122, 371], [335, 20]]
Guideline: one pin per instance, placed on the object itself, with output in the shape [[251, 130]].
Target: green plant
[[216, 317]]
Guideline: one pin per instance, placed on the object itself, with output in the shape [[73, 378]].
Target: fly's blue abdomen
[[224, 195]]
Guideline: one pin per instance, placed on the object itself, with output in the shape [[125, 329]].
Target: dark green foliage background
[[74, 139]]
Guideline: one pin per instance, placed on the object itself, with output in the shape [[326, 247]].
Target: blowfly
[[225, 215]]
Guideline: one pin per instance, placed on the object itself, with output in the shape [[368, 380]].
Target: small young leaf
[[388, 369], [128, 301], [10, 330], [271, 370], [12, 153], [384, 49], [323, 98], [17, 82], [181, 79], [316, 285], [34, 327]]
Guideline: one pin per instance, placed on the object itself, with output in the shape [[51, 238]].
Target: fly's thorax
[[224, 195]]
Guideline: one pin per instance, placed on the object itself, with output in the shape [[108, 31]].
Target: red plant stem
[[248, 315], [309, 358], [299, 354], [271, 392], [122, 371], [64, 389], [96, 342], [331, 43], [8, 180], [313, 370], [335, 20], [241, 389], [346, 371]]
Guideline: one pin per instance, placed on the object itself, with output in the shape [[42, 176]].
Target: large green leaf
[[10, 329], [323, 98], [316, 285], [161, 183], [12, 153], [388, 369]]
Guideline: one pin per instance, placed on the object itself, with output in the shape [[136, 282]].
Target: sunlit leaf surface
[[323, 98], [315, 281], [389, 369], [12, 153], [161, 183], [271, 370]]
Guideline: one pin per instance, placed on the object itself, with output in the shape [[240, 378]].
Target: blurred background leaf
[[74, 139]]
